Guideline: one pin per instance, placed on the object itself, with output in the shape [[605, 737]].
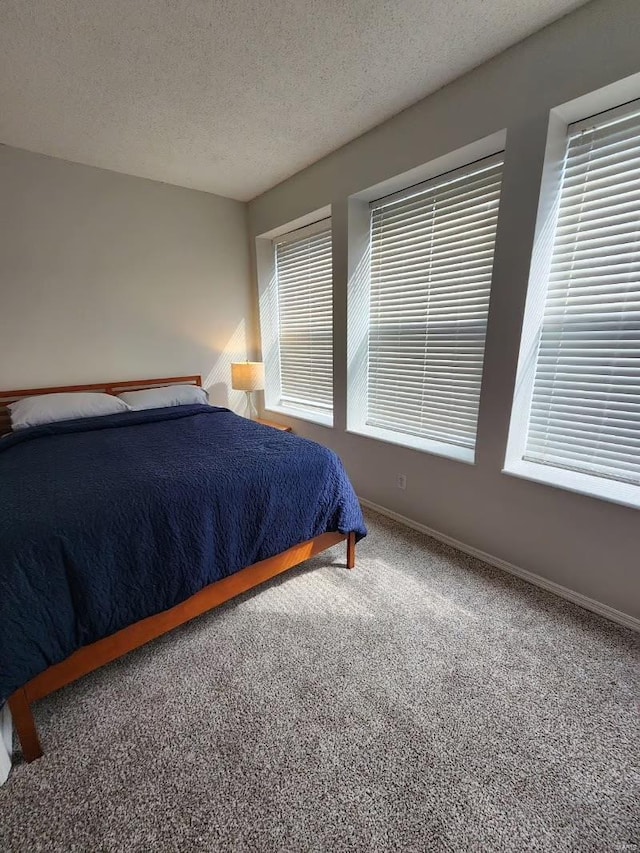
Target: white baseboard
[[564, 592], [6, 736]]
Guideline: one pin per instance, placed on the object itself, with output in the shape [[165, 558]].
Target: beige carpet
[[424, 702]]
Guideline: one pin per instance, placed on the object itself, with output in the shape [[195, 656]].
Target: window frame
[[266, 248], [583, 111], [361, 208]]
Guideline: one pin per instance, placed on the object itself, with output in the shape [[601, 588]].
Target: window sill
[[302, 414], [425, 445], [573, 481]]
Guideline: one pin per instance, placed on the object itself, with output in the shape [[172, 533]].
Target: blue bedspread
[[107, 520]]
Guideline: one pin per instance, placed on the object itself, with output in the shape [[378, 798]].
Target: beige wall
[[587, 545], [105, 276]]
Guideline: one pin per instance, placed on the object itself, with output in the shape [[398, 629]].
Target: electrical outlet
[[401, 482]]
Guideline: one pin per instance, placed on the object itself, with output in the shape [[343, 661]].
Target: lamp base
[[252, 412]]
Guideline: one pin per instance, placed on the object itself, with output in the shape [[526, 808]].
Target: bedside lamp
[[248, 376]]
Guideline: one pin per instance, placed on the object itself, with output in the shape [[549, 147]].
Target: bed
[[117, 529]]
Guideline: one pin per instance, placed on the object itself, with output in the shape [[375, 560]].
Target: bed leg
[[25, 725], [351, 551]]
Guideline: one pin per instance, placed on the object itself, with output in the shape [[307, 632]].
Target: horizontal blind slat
[[305, 323], [431, 263], [585, 407]]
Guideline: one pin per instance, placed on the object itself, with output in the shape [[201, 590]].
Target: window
[[584, 397], [430, 274], [300, 372]]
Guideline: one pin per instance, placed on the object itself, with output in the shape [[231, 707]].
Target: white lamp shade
[[247, 376]]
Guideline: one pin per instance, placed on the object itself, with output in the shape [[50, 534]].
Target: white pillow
[[159, 398], [49, 408]]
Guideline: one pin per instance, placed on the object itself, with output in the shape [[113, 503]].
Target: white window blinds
[[585, 409], [305, 318], [431, 263]]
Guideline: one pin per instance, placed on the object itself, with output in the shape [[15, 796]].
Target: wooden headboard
[[7, 397]]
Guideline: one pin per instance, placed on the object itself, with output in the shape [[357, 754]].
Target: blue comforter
[[107, 520]]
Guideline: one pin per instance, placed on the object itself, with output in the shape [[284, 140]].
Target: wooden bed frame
[[95, 655]]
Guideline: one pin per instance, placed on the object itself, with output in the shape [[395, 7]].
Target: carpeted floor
[[424, 702]]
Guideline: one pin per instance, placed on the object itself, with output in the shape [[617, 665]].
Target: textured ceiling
[[232, 96]]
